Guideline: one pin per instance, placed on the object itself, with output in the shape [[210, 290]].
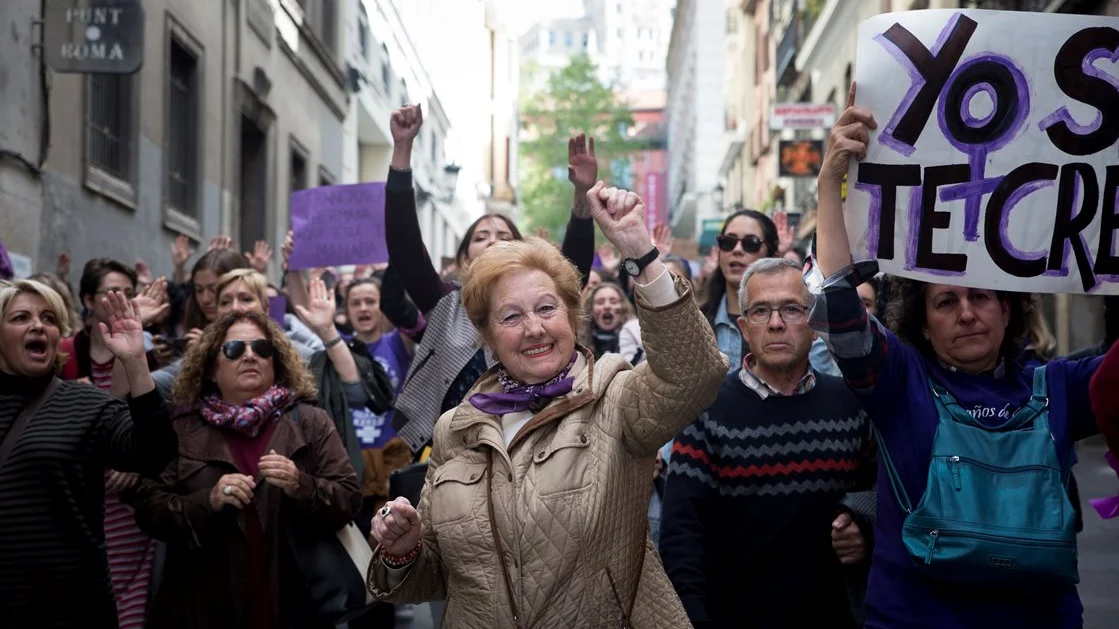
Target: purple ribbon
[[517, 397], [1108, 507]]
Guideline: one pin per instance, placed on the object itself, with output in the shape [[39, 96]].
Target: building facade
[[385, 73], [547, 47], [694, 114], [236, 105], [632, 40], [471, 55]]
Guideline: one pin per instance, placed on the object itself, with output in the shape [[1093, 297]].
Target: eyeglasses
[[127, 292], [789, 313], [750, 242], [515, 319], [262, 348]]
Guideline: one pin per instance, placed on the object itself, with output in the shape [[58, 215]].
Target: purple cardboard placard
[[338, 225], [277, 307]]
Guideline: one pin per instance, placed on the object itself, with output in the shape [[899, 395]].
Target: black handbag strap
[[23, 419]]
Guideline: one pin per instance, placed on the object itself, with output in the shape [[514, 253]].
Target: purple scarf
[[517, 396], [249, 417]]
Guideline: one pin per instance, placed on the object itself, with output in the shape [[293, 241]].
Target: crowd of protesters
[[596, 436]]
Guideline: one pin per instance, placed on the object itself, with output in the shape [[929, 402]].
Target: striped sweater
[[53, 567], [753, 487], [130, 552]]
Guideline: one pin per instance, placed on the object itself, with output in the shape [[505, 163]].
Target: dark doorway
[[254, 184]]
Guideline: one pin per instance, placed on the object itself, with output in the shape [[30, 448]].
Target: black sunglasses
[[262, 348], [750, 242]]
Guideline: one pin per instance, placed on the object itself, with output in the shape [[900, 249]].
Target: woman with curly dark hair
[[974, 524], [246, 470]]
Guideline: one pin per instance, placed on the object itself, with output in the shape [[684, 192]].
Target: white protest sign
[[995, 163]]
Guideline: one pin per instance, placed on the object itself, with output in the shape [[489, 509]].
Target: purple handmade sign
[[277, 308], [994, 160], [338, 225]]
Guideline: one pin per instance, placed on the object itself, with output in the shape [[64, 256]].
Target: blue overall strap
[[891, 472]]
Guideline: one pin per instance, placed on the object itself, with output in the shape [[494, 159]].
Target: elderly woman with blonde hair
[[254, 458], [534, 508], [56, 439]]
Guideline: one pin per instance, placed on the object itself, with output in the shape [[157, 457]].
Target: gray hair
[[765, 266]]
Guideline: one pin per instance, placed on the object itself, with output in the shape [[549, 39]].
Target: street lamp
[[450, 179]]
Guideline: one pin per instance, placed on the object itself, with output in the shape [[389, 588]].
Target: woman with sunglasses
[[246, 467], [747, 236]]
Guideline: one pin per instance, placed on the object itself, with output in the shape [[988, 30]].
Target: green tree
[[574, 101]]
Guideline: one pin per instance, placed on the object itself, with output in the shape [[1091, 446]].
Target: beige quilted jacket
[[551, 532]]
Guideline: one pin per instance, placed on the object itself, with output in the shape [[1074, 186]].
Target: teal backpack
[[996, 511]]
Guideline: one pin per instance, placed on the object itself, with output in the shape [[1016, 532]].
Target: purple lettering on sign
[[965, 105], [1062, 254], [914, 217], [1088, 67], [1004, 221], [1006, 84], [874, 215], [917, 83]]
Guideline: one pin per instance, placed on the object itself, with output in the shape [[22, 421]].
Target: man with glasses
[[752, 533]]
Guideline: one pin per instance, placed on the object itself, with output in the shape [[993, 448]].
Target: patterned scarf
[[518, 396], [249, 417]]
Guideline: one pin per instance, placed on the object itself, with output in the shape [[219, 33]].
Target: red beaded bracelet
[[392, 561]]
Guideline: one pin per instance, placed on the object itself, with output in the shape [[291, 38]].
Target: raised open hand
[[285, 251], [405, 123], [123, 332], [582, 166], [220, 242], [849, 138], [620, 214], [608, 257], [711, 262], [152, 302], [181, 251], [319, 312], [63, 266], [662, 239], [785, 234], [260, 255], [143, 272]]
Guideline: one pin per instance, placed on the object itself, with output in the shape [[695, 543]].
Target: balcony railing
[[787, 51]]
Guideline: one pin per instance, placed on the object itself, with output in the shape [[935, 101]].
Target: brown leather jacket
[[204, 576], [551, 531]]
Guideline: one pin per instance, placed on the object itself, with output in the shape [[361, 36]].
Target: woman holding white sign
[[974, 525]]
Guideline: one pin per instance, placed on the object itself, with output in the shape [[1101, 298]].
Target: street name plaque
[[94, 36]]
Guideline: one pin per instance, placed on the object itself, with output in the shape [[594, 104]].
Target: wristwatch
[[634, 266]]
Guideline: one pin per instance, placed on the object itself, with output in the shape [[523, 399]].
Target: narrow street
[[1099, 543]]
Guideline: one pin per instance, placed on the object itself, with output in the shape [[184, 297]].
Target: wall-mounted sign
[[801, 116], [800, 158], [94, 36]]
